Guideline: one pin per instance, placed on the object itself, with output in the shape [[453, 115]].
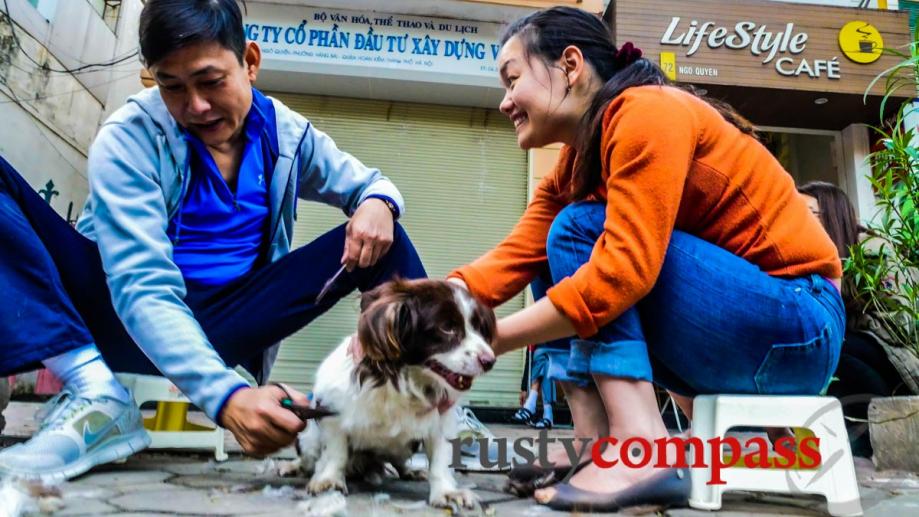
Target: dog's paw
[[461, 498], [318, 486]]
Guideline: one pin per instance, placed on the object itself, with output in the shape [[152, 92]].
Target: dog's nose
[[487, 361]]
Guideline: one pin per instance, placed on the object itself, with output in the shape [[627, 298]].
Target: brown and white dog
[[424, 341]]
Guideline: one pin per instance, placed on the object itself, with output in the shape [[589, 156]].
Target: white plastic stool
[[168, 428], [835, 478]]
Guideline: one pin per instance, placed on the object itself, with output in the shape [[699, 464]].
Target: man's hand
[[259, 423], [368, 235]]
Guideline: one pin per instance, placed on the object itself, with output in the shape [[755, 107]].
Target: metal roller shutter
[[465, 184]]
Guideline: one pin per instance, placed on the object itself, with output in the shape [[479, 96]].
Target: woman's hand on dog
[[368, 235], [458, 281], [259, 422], [538, 323]]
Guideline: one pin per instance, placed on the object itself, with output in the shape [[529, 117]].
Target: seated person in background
[[863, 369], [534, 378], [543, 359]]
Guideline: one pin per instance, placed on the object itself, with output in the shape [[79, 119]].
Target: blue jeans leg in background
[[556, 352], [713, 323]]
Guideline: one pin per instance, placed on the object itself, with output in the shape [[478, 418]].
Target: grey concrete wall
[[49, 119]]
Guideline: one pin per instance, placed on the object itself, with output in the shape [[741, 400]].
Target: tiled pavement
[[156, 483]]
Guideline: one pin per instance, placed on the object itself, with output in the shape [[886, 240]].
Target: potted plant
[[883, 269]]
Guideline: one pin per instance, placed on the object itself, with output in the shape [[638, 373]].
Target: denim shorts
[[713, 323]]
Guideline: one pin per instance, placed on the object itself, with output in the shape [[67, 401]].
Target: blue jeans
[[51, 279], [552, 356], [713, 323]]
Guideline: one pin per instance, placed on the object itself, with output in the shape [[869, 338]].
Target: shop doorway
[[809, 155]]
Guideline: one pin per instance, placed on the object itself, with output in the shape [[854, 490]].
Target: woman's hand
[[538, 323], [458, 281]]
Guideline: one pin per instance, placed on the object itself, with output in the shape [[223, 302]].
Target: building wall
[[873, 4], [125, 79], [60, 113], [51, 115], [855, 138]]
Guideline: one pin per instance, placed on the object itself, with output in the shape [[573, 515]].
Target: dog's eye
[[447, 332]]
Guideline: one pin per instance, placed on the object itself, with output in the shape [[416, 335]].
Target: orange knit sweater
[[670, 161]]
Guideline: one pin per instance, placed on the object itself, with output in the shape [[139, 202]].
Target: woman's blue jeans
[[713, 323]]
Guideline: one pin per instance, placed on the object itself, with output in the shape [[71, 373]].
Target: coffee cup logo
[[861, 42]]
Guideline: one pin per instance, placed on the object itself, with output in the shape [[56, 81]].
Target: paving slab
[[85, 491], [907, 504], [891, 480], [136, 514], [119, 479], [80, 506], [192, 483], [230, 484], [200, 502], [872, 496]]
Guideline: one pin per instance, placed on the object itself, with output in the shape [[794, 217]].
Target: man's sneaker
[[75, 435], [468, 426]]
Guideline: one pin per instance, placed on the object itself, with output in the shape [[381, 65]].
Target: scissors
[[328, 284], [303, 412], [307, 412]]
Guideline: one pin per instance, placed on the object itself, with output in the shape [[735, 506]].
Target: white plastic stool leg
[[704, 496], [836, 477], [150, 388], [714, 415]]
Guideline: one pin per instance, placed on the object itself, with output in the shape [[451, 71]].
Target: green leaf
[[884, 269]]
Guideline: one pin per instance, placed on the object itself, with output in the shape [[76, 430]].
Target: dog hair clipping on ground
[[268, 466], [380, 498], [329, 504], [20, 497], [282, 492]]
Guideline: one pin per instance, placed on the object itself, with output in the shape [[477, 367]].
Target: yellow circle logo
[[861, 42]]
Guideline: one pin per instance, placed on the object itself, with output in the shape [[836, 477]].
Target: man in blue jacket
[[181, 266]]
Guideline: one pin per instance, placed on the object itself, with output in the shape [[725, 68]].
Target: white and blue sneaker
[[75, 435], [476, 439]]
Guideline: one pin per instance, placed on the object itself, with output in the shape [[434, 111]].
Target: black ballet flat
[[663, 490]]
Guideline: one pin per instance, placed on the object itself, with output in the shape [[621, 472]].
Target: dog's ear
[[386, 321], [372, 295], [483, 320]]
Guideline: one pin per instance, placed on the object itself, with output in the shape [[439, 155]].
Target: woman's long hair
[[838, 218], [836, 214], [547, 33]]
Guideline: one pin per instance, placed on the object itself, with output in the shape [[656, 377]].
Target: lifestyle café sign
[[400, 42], [780, 48]]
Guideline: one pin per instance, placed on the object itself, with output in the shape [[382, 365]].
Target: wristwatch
[[389, 204]]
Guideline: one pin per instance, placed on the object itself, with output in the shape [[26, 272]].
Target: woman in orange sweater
[[679, 251]]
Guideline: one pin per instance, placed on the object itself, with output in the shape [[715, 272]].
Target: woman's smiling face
[[534, 94]]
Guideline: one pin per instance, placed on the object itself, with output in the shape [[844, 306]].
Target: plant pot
[[894, 426]]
